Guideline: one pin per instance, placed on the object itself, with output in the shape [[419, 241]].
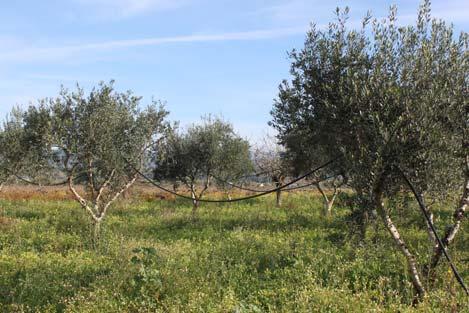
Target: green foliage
[[31, 281], [93, 139], [22, 140], [387, 100], [96, 134], [146, 283], [242, 257], [211, 149], [382, 97], [11, 140]]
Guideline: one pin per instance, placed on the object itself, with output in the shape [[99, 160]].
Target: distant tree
[[11, 153], [271, 159], [21, 144], [385, 99], [237, 163], [94, 137], [210, 149], [304, 156]]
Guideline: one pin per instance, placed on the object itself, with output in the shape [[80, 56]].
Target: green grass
[[244, 257]]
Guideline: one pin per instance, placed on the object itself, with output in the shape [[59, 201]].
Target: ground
[[242, 257]]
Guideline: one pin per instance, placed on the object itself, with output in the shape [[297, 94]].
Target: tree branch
[[103, 186], [80, 199], [116, 196]]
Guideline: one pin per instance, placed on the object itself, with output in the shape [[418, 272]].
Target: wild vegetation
[[240, 257]]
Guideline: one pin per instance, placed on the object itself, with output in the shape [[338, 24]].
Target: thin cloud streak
[[31, 54]]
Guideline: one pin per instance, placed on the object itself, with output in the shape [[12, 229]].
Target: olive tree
[[388, 100], [270, 158], [12, 146], [100, 137], [21, 141], [302, 157], [201, 153], [237, 163]]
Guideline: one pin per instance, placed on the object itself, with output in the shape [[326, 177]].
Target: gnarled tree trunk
[[393, 231], [96, 208]]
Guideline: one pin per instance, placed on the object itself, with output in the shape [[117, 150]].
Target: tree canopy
[[386, 99], [203, 153], [95, 137]]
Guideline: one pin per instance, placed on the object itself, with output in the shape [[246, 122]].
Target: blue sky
[[224, 57]]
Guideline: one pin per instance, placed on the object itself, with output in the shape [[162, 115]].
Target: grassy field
[[243, 257]]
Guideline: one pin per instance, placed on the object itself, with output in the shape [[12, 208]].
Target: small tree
[[98, 136], [303, 156], [211, 149], [236, 164], [271, 158]]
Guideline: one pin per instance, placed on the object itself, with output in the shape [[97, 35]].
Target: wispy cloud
[[53, 53], [128, 8]]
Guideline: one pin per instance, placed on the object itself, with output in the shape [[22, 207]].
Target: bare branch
[[80, 199], [116, 196], [103, 187]]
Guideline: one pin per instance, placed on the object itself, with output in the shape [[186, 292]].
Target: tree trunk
[[278, 194], [363, 219], [195, 206], [328, 203], [431, 237], [96, 232], [278, 180], [195, 203], [393, 231], [450, 233], [328, 207], [278, 200], [431, 234], [362, 215]]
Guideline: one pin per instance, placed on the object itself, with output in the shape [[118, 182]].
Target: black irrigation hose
[[257, 174], [30, 182], [307, 185], [424, 211], [229, 200], [257, 190], [237, 186]]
